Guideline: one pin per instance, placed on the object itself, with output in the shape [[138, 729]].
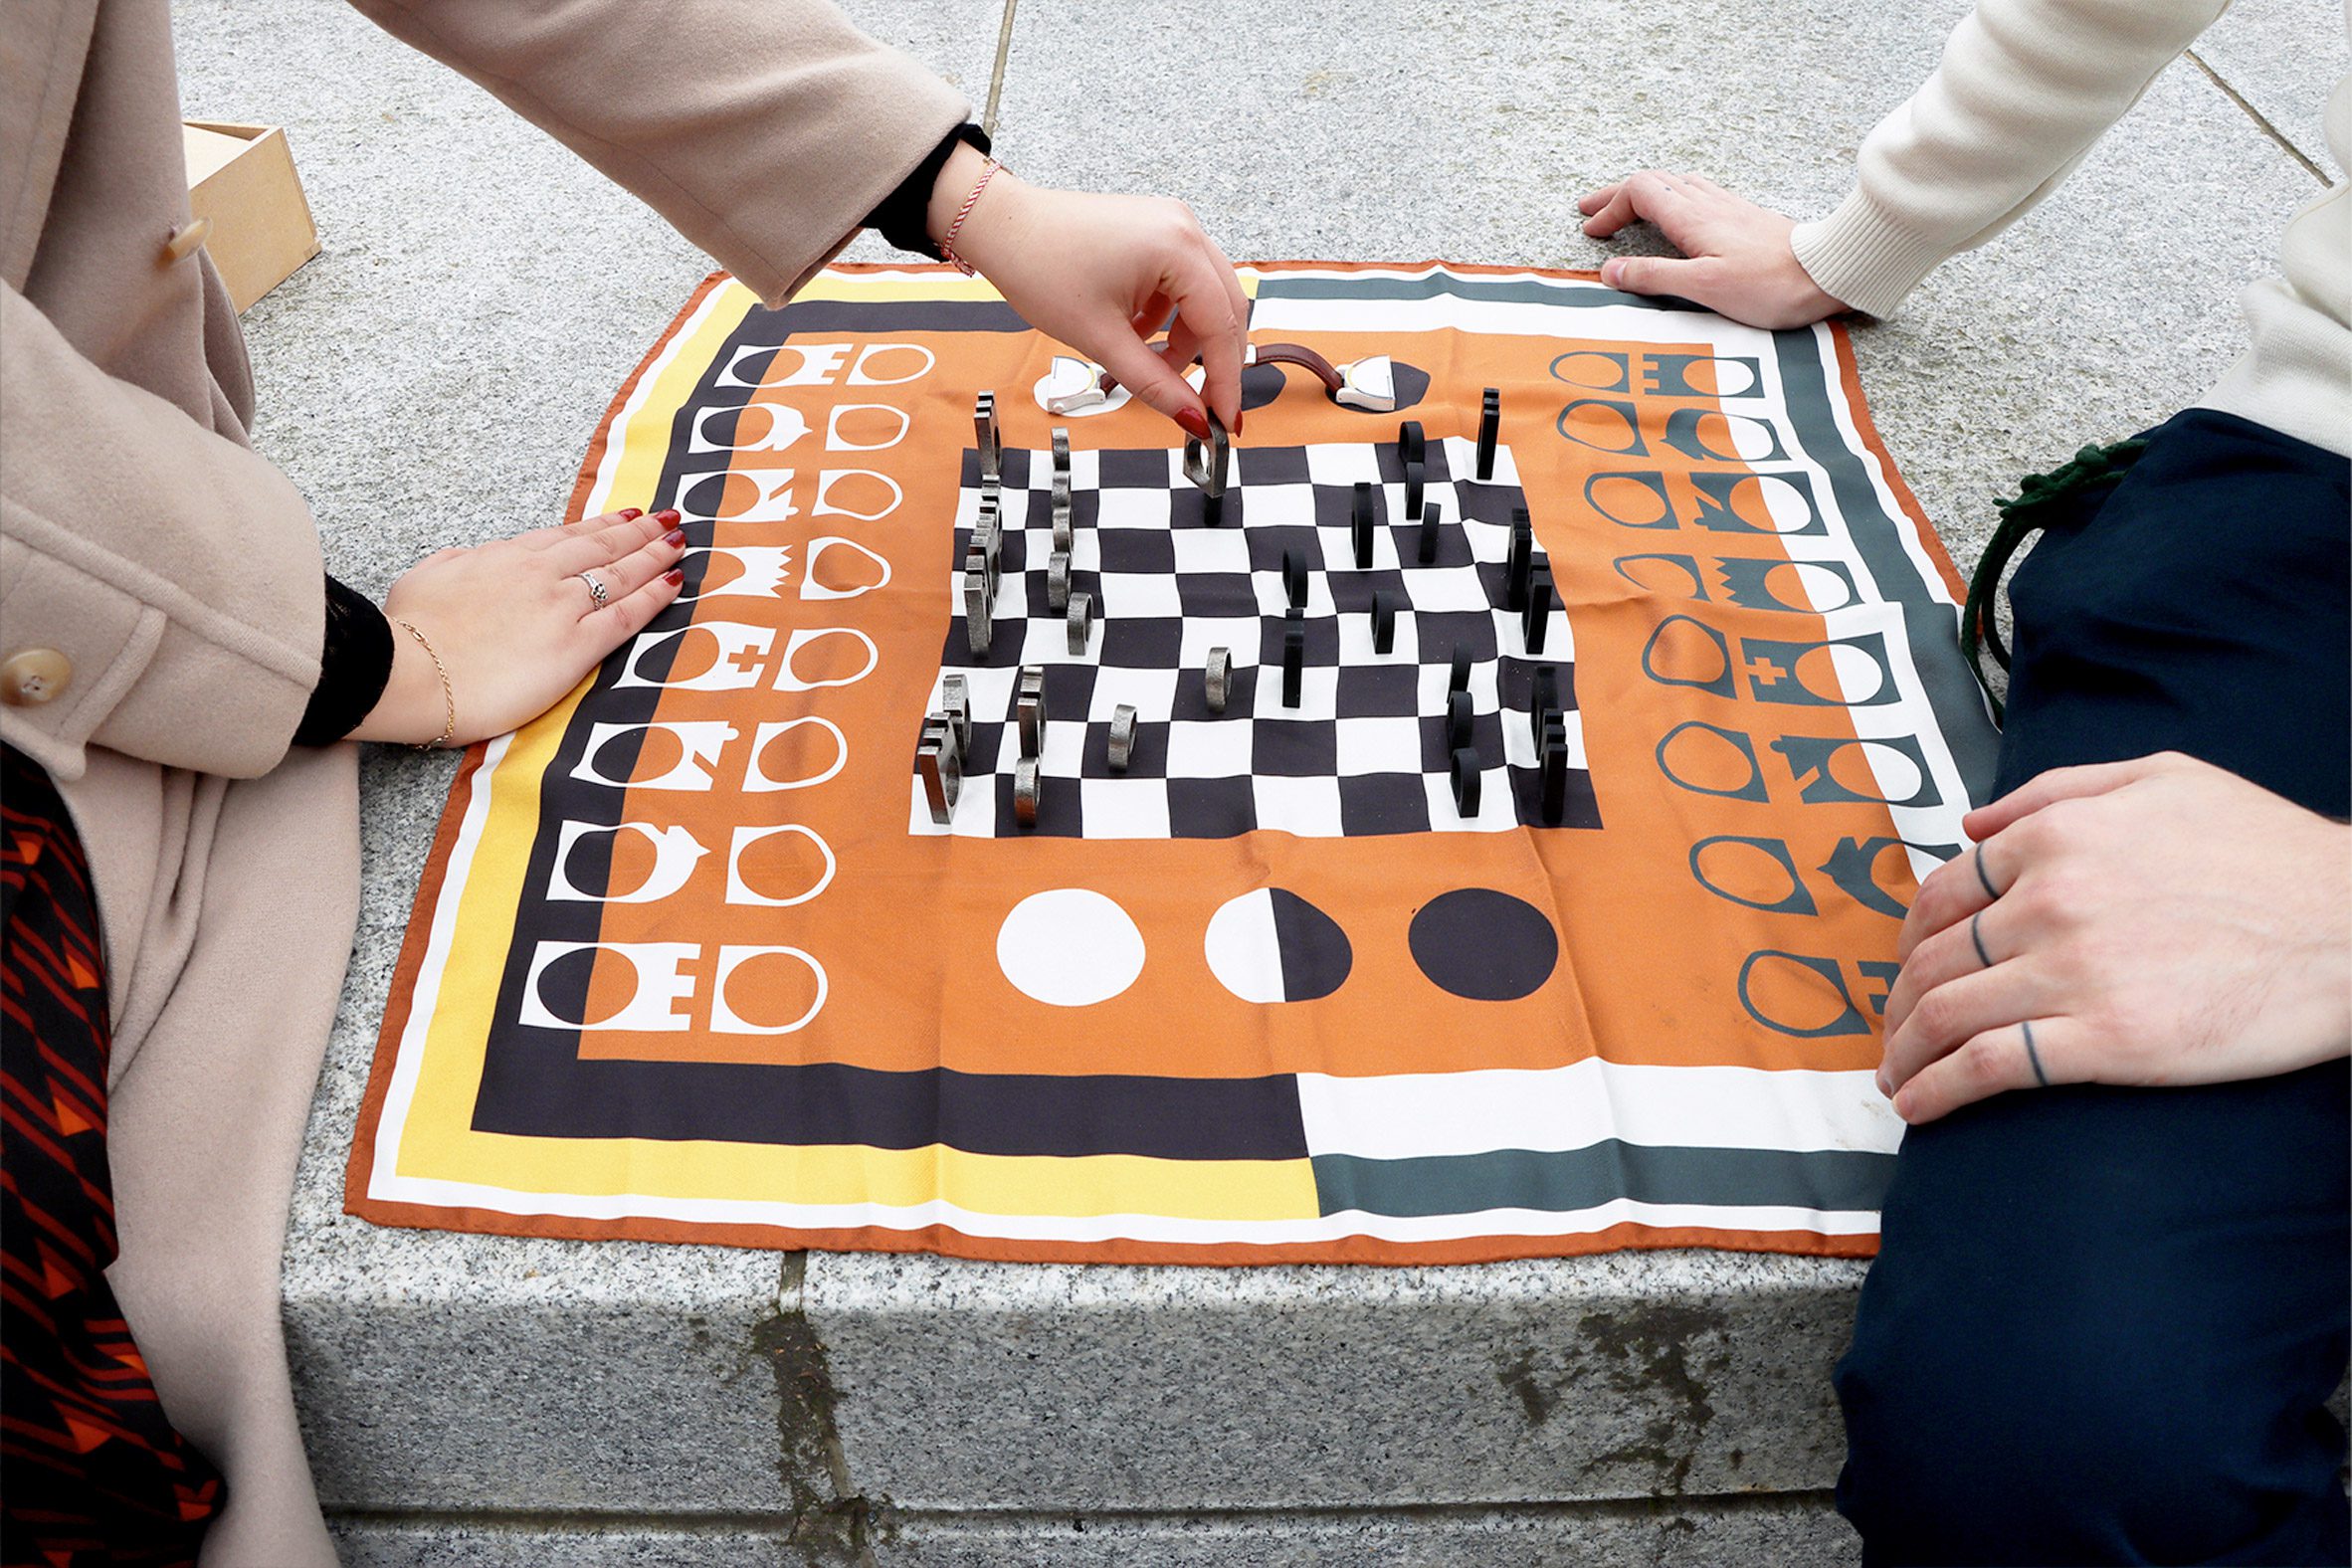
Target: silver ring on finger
[[1983, 877], [596, 591]]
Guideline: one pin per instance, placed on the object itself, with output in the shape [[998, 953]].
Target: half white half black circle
[[1272, 945]]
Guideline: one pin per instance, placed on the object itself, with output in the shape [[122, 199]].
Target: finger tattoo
[[2033, 1056], [1982, 875], [1977, 935]]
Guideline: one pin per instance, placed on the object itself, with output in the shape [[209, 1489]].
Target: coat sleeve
[[178, 573], [763, 130], [2023, 88]]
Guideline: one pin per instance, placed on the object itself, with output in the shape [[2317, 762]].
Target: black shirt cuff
[[354, 665], [901, 217]]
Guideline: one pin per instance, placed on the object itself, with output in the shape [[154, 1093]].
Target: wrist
[[413, 709], [961, 177]]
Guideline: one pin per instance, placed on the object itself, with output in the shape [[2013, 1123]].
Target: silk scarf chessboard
[[695, 958]]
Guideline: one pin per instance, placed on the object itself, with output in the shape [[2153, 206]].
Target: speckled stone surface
[[1704, 1535], [2283, 57], [989, 1385], [1469, 132], [434, 378]]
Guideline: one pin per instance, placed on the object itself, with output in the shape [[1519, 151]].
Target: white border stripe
[[1137, 1226], [1412, 1116]]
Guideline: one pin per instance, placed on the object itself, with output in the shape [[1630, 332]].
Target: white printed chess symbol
[[762, 569], [773, 428], [742, 892], [862, 374], [833, 440], [655, 968], [828, 508], [813, 365], [771, 500], [724, 1020], [809, 588], [675, 855], [700, 744], [789, 680], [737, 665], [758, 780]]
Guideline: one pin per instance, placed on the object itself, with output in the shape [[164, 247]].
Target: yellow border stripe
[[437, 1139]]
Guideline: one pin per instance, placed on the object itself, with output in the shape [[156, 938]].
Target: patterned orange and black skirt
[[94, 1473]]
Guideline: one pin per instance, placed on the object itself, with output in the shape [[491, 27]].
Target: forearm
[[2023, 88]]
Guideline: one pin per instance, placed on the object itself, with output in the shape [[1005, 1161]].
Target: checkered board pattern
[[1363, 753]]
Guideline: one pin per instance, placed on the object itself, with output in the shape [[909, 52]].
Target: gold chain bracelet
[[449, 698]]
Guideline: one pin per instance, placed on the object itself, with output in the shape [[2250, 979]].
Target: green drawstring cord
[[2037, 495]]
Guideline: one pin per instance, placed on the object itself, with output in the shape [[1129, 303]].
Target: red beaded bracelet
[[947, 246]]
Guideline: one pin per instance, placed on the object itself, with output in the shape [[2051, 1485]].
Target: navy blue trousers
[[2104, 1322]]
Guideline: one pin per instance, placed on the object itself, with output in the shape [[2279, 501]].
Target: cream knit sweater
[[2023, 88]]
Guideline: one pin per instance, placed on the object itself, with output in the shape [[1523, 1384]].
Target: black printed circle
[[1484, 945]]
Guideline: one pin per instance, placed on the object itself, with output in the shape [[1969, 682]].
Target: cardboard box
[[242, 177]]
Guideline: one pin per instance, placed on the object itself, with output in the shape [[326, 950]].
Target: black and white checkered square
[[1366, 749]]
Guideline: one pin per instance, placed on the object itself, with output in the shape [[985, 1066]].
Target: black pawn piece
[[1522, 556], [1431, 515], [1411, 445], [1457, 720], [1543, 699], [1294, 658], [1457, 677], [1362, 526], [1384, 620], [1552, 781], [1416, 477], [1540, 607], [1294, 581], [1466, 781], [1489, 431]]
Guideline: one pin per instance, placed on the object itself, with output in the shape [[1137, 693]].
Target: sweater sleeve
[[763, 130], [2023, 88]]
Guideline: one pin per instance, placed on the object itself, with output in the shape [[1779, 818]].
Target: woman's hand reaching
[[1104, 274], [516, 625]]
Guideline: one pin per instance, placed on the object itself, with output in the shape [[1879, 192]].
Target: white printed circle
[[1858, 675], [1816, 587], [1070, 948], [1271, 945], [1898, 777]]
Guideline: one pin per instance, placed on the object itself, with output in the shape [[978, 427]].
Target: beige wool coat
[[161, 589]]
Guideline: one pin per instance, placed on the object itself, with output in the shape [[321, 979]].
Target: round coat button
[[185, 239], [34, 676]]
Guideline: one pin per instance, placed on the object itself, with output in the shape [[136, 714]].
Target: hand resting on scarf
[[1736, 259], [514, 624]]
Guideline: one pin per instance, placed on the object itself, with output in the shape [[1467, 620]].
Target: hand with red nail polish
[[1104, 274], [515, 623]]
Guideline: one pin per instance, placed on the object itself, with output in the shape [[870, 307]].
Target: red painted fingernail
[[632, 514], [667, 514], [673, 576], [1194, 423], [675, 536]]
